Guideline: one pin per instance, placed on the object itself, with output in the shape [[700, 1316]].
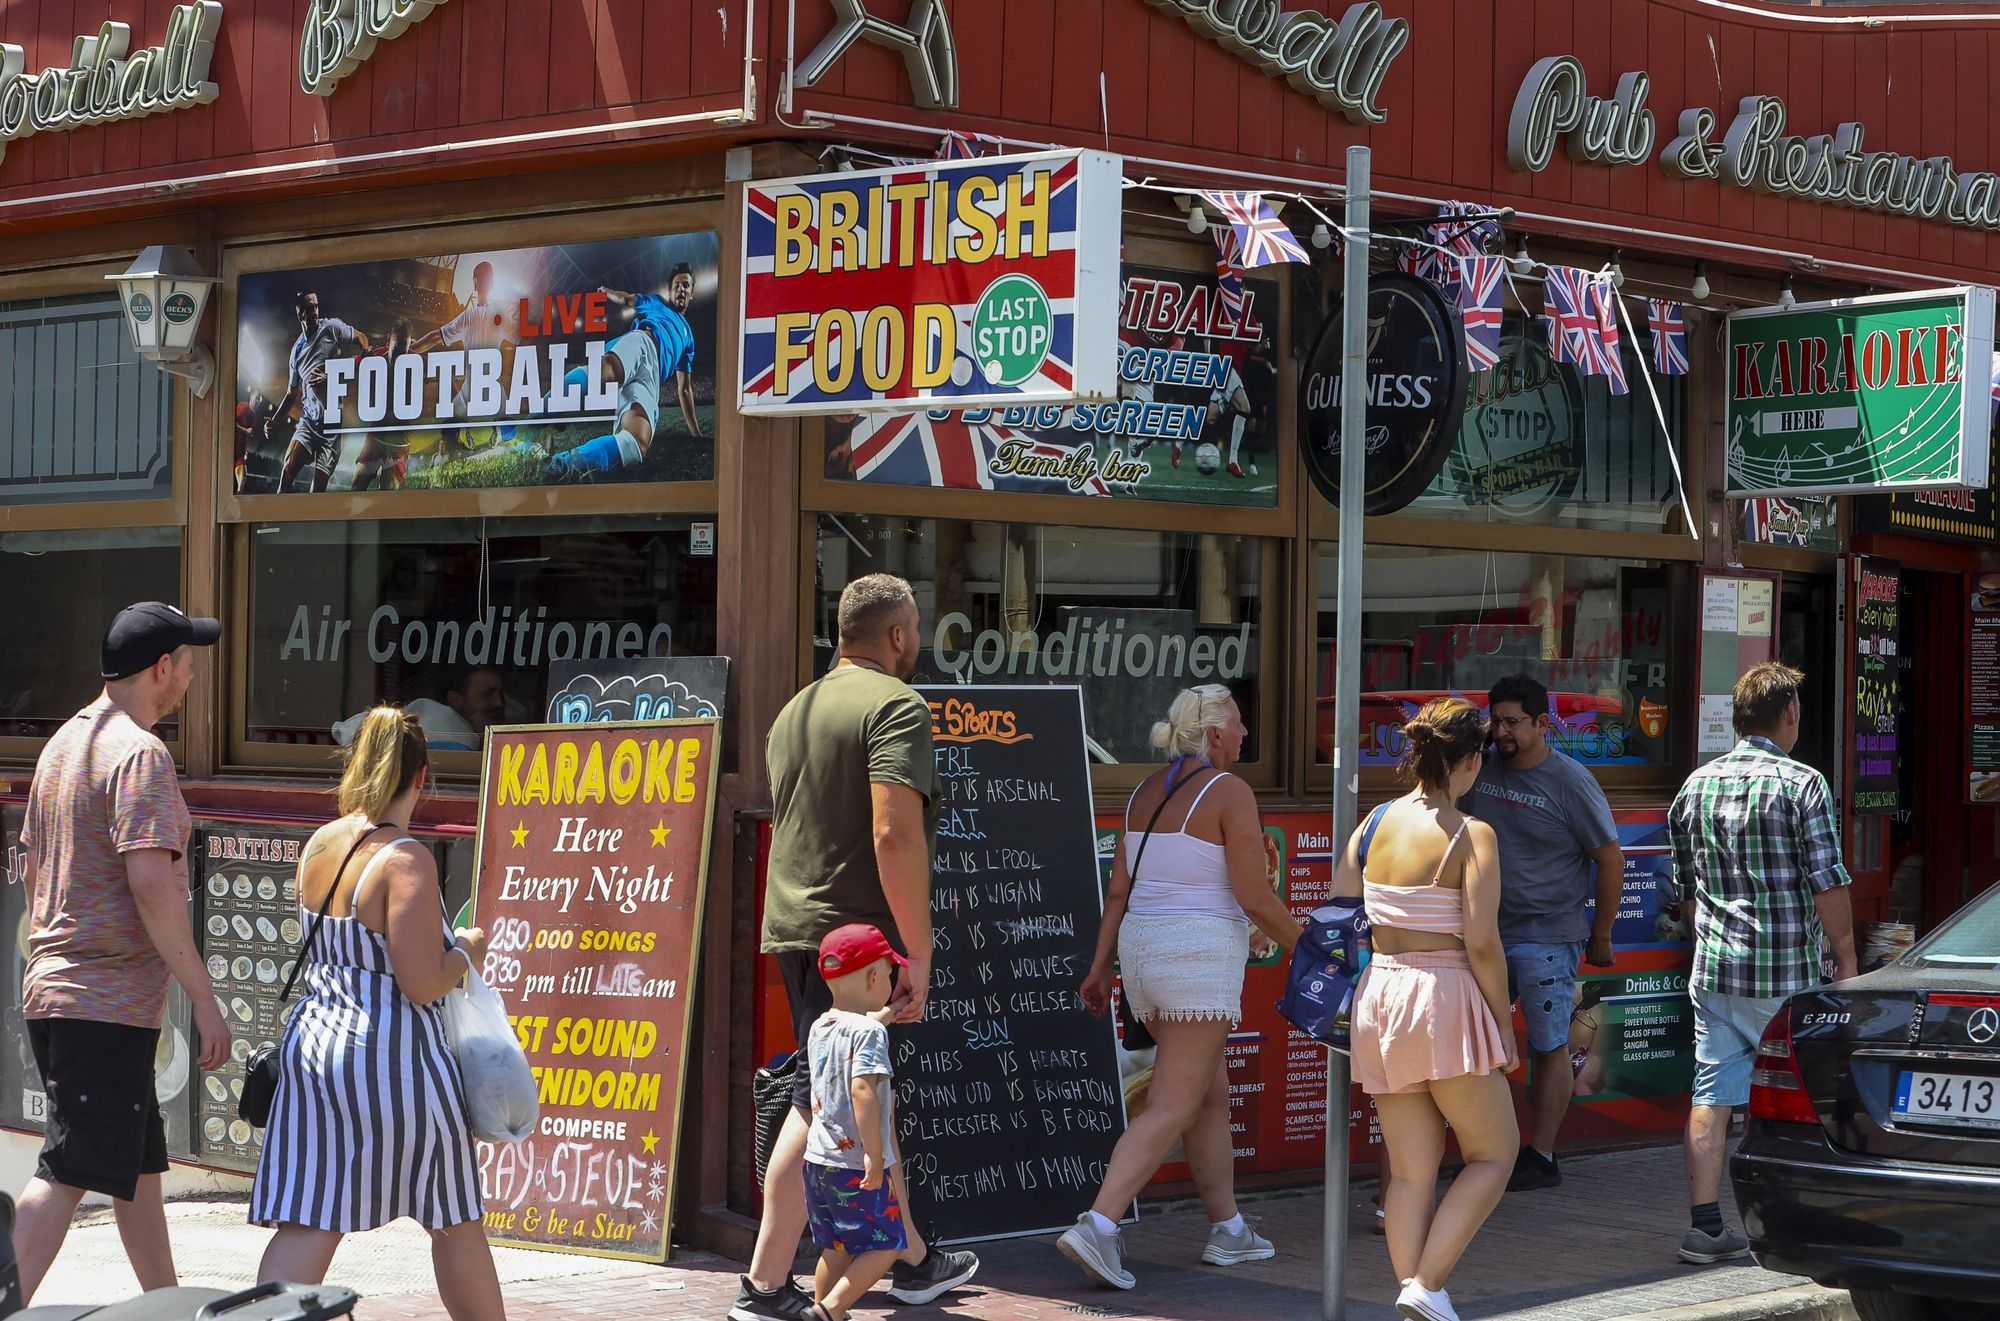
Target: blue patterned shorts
[[846, 1216]]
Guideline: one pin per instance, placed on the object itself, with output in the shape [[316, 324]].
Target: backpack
[[1326, 964]]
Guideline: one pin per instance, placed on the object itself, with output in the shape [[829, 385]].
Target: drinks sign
[[1861, 394], [1877, 587]]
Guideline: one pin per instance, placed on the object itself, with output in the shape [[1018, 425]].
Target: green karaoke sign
[[1861, 394]]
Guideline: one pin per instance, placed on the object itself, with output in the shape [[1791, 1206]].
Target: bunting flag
[[958, 146], [1479, 298], [1670, 336], [1607, 343], [1583, 324], [1229, 274], [1451, 240], [1262, 239]]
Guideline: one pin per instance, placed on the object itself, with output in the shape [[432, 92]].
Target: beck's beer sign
[[976, 283]]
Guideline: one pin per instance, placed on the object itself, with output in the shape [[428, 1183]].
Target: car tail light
[[1777, 1088]]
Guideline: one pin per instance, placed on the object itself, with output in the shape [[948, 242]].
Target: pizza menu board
[[593, 854], [1008, 1098], [1875, 586], [1982, 687], [249, 930]]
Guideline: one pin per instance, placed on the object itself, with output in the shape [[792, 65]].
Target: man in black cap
[[107, 836]]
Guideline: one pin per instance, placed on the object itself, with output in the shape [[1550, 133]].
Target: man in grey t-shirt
[[1554, 829]]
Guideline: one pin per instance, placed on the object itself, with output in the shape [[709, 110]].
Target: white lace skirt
[[1183, 968]]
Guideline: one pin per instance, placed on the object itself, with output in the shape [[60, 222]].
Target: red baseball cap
[[853, 947]]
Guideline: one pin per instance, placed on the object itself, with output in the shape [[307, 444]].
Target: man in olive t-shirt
[[854, 822]]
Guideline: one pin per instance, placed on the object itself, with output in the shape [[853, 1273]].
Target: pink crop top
[[1438, 909]]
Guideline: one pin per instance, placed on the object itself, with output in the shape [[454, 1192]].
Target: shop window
[[49, 668], [463, 615], [1543, 444], [81, 416], [1597, 632], [1131, 617]]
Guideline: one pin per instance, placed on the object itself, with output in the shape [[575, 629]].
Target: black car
[[1872, 1157]]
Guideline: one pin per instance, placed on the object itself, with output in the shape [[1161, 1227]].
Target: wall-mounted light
[[1197, 219], [164, 292], [1700, 289], [1785, 298], [1322, 237]]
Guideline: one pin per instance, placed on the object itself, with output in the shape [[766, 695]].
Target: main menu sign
[[1861, 394], [1415, 395], [987, 282]]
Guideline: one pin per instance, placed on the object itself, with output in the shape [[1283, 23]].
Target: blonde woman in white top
[[1179, 928]]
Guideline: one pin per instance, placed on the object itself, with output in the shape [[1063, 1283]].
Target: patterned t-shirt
[[104, 787], [840, 1048]]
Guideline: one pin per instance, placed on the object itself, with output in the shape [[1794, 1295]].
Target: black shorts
[[809, 996], [104, 1128]]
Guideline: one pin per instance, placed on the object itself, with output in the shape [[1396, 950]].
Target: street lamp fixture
[[164, 292]]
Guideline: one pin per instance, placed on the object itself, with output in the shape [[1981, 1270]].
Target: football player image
[[660, 342], [250, 419], [320, 338], [385, 459], [1231, 397], [480, 324]]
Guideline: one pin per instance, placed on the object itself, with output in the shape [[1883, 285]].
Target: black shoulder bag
[[260, 1070], [1131, 1031]]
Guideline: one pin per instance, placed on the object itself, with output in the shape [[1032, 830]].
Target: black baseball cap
[[143, 633]]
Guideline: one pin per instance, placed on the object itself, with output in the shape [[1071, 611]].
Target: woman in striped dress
[[369, 1123]]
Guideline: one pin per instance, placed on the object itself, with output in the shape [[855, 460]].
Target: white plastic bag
[[499, 1086]]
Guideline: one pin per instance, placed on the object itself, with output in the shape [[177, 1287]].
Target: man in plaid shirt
[[1757, 855]]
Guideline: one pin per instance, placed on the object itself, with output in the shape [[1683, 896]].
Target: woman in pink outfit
[[1430, 1029]]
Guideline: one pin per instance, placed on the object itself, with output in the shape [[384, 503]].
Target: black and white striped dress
[[369, 1123]]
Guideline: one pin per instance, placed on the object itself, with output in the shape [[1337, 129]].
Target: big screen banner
[[1861, 394], [1196, 417], [593, 856], [572, 363], [985, 283]]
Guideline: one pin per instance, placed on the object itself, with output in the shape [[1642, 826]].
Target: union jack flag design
[[896, 258], [953, 451], [1609, 361], [1451, 239], [1262, 239], [957, 146], [1668, 320], [1583, 324], [1479, 298], [1229, 274]]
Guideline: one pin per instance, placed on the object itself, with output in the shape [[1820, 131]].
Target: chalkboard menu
[[20, 1087], [1982, 687], [1875, 588], [250, 928], [1008, 1100], [593, 851]]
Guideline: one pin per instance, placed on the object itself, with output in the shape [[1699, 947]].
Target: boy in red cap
[[856, 1221]]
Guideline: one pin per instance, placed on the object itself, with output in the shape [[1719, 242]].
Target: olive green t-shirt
[[850, 728]]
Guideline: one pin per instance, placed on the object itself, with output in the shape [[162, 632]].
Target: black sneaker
[[1533, 1170], [938, 1273], [787, 1302]]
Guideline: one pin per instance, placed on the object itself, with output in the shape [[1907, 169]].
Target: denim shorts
[[1543, 979], [1727, 1029]]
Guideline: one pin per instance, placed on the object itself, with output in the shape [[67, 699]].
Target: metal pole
[[1347, 682]]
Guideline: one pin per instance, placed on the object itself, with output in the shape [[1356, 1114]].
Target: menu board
[[1875, 585], [1738, 630], [249, 928], [593, 856], [21, 1104], [1008, 1098], [1982, 687]]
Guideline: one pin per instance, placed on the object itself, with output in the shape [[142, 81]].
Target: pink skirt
[[1419, 1018]]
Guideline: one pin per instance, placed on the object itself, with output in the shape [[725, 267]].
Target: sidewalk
[[1601, 1246]]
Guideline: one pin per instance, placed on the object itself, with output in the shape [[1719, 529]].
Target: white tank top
[[1186, 876]]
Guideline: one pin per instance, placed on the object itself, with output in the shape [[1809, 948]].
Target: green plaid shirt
[[1755, 838]]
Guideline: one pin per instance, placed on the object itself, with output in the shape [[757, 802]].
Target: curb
[[1808, 1302]]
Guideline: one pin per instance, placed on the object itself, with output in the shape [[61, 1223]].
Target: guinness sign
[[1416, 392]]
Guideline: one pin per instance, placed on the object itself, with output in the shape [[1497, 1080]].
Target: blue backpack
[[1326, 964]]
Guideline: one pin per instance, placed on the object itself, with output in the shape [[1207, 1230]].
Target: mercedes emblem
[[1983, 1026]]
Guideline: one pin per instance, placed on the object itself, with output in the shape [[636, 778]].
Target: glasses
[[1514, 722]]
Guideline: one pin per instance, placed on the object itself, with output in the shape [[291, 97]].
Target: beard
[[1508, 751]]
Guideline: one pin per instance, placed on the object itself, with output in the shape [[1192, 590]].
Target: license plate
[[1949, 1098]]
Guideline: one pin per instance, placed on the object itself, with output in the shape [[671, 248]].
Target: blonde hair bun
[[1184, 733]]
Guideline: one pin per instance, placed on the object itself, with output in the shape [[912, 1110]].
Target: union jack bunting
[[1610, 360], [1670, 336], [1479, 298], [1229, 274], [958, 146], [1572, 313], [1262, 239], [1457, 240], [953, 450]]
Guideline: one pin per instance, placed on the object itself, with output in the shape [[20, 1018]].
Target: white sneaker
[[1226, 1249], [1421, 1304], [1099, 1254]]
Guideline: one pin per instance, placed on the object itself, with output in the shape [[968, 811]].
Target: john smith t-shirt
[[1547, 822], [848, 730]]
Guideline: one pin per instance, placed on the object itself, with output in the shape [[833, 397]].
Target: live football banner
[[593, 853], [986, 282], [578, 362]]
